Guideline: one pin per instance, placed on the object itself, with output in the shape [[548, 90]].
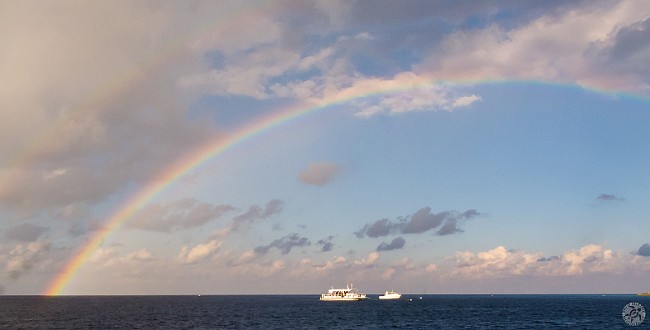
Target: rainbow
[[213, 148], [191, 161], [221, 144]]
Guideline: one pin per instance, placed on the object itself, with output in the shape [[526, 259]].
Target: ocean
[[307, 312]]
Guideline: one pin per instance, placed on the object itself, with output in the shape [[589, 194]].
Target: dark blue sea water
[[307, 312]]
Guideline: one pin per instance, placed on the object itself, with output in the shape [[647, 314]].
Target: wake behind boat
[[347, 294], [390, 295]]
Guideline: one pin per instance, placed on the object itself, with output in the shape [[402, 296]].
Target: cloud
[[430, 268], [449, 227], [255, 213], [79, 228], [25, 232], [501, 262], [111, 257], [323, 77], [319, 174], [330, 265], [284, 244], [118, 121], [73, 212], [259, 270], [403, 93], [369, 262], [570, 46], [382, 227], [100, 117], [625, 51], [496, 262], [464, 101], [338, 266], [97, 118], [644, 250], [177, 215], [199, 252], [244, 258], [547, 259], [396, 244], [388, 274], [247, 73], [589, 258], [24, 257], [609, 198], [326, 244], [421, 221]]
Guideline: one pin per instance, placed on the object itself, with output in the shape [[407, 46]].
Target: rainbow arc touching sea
[[191, 161], [214, 147], [206, 152]]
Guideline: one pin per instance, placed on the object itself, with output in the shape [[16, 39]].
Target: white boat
[[347, 294], [390, 295]]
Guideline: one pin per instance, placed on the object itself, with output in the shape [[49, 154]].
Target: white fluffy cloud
[[199, 252], [495, 262], [23, 257], [112, 257], [372, 271], [500, 262], [98, 98], [562, 47]]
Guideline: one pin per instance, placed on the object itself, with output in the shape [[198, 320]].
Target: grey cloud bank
[[421, 221]]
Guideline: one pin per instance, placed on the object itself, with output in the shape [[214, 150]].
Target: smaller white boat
[[390, 295]]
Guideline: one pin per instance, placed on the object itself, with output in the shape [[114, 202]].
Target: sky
[[242, 147]]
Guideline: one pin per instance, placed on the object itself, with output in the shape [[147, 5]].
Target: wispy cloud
[[25, 232], [97, 119], [177, 215], [644, 250], [284, 244], [609, 198], [326, 244], [423, 220], [319, 174], [255, 213], [395, 244], [23, 257]]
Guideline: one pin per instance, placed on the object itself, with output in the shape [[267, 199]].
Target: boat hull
[[342, 299], [390, 295]]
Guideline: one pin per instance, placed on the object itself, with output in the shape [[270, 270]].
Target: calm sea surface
[[307, 312]]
